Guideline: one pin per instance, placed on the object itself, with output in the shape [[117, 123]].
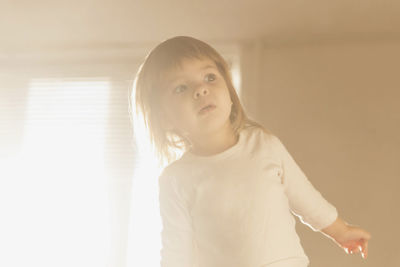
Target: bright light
[[55, 209], [145, 227]]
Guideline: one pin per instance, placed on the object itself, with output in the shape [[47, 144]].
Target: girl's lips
[[206, 109]]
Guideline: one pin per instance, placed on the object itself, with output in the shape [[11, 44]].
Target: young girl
[[229, 191]]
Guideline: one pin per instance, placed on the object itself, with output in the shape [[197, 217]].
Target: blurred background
[[322, 75]]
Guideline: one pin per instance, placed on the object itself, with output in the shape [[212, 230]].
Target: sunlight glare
[[58, 213]]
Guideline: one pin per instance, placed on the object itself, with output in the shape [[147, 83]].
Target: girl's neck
[[215, 142]]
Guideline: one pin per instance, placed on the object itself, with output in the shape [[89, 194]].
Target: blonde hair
[[148, 83]]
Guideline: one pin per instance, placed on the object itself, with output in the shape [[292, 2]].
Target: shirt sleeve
[[304, 200], [176, 234]]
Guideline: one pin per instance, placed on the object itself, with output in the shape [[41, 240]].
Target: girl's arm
[[351, 238], [313, 210]]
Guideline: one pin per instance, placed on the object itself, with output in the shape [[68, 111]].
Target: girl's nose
[[200, 91]]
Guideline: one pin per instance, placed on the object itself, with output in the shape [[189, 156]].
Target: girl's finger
[[365, 250], [356, 250], [348, 250], [351, 250]]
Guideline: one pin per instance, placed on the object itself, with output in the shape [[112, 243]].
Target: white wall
[[335, 106]]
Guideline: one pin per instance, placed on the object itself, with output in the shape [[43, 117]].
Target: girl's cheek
[[178, 105]]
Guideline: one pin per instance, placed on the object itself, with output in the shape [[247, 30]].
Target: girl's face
[[195, 99]]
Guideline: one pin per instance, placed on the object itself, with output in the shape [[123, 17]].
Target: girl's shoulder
[[255, 132], [257, 138], [176, 168]]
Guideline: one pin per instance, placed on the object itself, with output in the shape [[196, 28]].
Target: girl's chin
[[214, 126]]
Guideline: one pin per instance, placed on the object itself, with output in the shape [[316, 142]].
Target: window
[[58, 206]]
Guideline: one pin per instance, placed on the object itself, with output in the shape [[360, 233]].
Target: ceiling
[[95, 23]]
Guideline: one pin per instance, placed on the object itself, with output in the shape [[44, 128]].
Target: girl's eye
[[210, 77], [180, 88]]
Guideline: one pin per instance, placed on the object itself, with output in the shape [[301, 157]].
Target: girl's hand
[[354, 240], [351, 238]]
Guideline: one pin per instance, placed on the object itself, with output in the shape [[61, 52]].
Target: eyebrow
[[169, 81], [208, 67]]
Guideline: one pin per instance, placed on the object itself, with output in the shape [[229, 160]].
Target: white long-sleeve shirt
[[236, 208]]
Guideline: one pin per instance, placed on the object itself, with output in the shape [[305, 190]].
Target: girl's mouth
[[206, 109]]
